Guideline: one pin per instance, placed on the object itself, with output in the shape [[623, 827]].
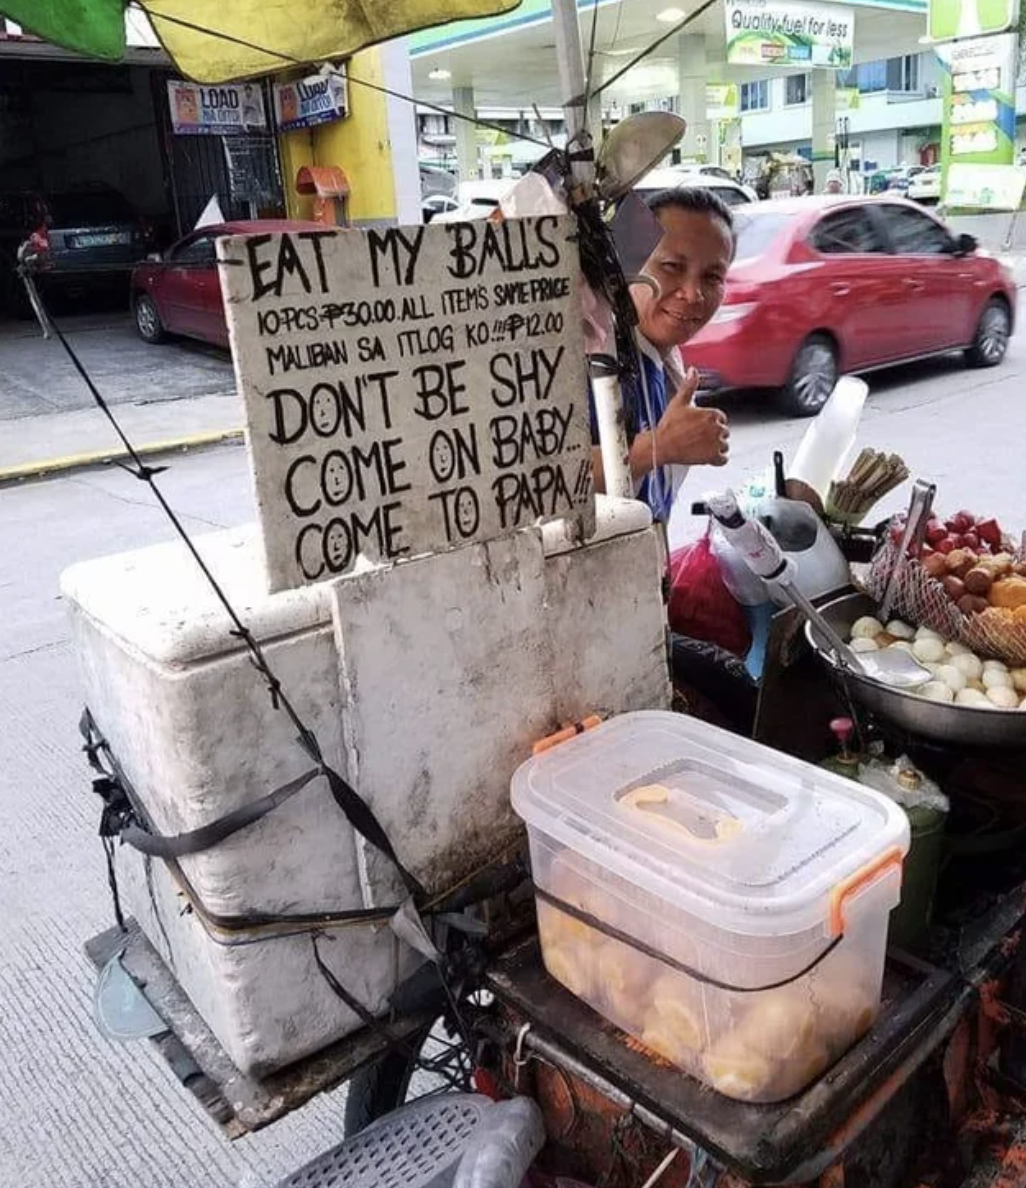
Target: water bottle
[[507, 1142]]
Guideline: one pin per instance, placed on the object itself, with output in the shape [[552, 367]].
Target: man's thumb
[[685, 394]]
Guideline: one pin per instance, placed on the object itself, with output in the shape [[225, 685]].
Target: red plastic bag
[[700, 605]]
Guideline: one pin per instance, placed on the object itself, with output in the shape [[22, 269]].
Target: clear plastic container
[[723, 903]]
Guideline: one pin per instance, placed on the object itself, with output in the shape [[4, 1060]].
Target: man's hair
[[695, 199]]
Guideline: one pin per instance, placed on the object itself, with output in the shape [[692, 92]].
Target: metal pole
[[608, 399]]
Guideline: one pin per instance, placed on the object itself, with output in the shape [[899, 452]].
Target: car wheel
[[147, 319], [813, 377], [992, 334]]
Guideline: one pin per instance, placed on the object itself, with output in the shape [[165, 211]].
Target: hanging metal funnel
[[633, 147]]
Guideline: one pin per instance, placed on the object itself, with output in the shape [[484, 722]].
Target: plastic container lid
[[732, 832]]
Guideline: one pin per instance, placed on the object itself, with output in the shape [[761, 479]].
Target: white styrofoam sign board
[[408, 389]]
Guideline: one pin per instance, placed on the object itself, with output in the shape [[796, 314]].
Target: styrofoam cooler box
[[425, 685], [722, 902]]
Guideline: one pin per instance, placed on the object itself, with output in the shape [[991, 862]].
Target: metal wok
[[958, 725]]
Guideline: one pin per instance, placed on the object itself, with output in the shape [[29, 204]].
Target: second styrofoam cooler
[[722, 902]]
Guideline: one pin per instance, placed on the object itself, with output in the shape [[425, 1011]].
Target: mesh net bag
[[922, 601]]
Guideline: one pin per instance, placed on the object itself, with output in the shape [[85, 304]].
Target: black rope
[[112, 882], [362, 82], [371, 1020], [696, 975]]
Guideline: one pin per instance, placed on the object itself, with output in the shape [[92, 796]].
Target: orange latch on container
[[561, 736], [858, 881]]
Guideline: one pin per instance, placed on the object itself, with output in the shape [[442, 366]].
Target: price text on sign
[[408, 389]]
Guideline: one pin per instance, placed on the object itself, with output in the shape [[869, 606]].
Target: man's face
[[689, 266]]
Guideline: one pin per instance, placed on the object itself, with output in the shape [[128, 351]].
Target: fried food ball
[[733, 1068]]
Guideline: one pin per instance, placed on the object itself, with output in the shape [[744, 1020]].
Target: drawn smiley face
[[336, 478], [338, 546], [468, 512], [325, 410], [443, 458]]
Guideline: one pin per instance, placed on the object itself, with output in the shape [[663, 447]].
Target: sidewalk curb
[[61, 465]]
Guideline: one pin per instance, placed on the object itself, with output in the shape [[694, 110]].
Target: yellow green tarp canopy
[[214, 41]]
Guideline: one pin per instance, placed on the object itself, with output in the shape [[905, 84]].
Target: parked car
[[826, 285], [671, 177], [89, 238], [925, 186], [436, 204], [723, 174], [476, 200], [179, 292]]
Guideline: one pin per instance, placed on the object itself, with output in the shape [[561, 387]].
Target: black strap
[[666, 959], [125, 817], [134, 833], [179, 844], [358, 813]]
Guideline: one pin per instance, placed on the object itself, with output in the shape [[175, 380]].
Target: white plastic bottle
[[829, 439], [506, 1145]]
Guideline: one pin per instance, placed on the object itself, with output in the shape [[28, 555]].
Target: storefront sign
[[986, 187], [979, 104], [409, 389], [847, 98], [722, 101], [789, 32], [307, 102], [216, 111], [948, 19]]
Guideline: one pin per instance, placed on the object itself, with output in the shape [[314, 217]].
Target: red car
[[180, 292], [824, 286]]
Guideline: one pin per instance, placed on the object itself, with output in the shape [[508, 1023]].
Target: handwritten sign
[[408, 389]]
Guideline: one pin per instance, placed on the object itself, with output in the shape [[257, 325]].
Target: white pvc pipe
[[606, 387], [612, 433]]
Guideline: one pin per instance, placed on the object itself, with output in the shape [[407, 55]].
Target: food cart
[[928, 1095]]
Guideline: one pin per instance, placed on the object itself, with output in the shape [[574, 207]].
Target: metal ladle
[[892, 666]]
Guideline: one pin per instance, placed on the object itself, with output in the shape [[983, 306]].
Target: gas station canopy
[[510, 60]]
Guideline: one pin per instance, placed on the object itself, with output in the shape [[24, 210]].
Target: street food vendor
[[688, 268]]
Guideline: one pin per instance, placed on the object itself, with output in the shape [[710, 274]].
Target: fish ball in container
[[969, 664], [862, 644], [936, 691], [928, 649], [952, 676], [1003, 696]]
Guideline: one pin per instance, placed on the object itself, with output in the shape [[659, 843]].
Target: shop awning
[[212, 41]]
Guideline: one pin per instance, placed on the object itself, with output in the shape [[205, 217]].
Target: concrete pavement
[[179, 395]]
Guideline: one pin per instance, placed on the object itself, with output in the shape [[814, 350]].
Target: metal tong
[[919, 508]]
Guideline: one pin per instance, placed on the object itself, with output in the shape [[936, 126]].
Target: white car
[[436, 204], [674, 177], [925, 186], [476, 200], [720, 172]]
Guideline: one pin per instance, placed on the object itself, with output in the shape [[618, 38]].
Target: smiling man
[[686, 276]]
